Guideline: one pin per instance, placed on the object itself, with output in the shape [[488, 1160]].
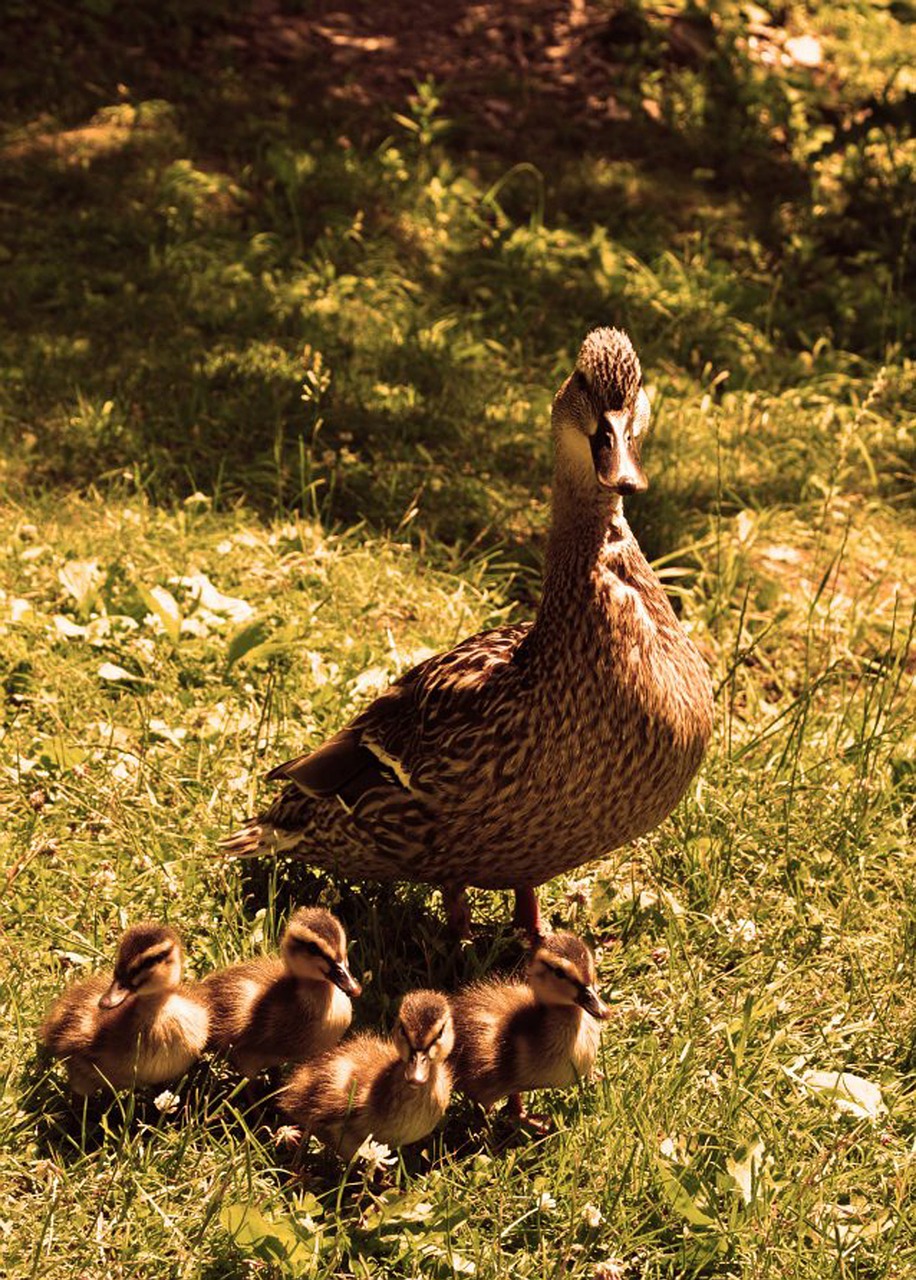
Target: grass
[[309, 355]]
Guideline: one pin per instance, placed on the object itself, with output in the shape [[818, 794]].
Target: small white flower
[[579, 892], [609, 1269], [592, 1215], [742, 931], [167, 1102], [546, 1202], [667, 1149], [287, 1135], [712, 1081], [375, 1155]]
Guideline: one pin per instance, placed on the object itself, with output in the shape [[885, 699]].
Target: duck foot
[[457, 911], [515, 1107], [527, 914]]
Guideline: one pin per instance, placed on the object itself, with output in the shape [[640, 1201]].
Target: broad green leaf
[[247, 647], [117, 675], [274, 1242], [63, 754], [165, 607], [745, 1168], [449, 1261], [207, 596], [680, 1199], [81, 580], [68, 628], [245, 638], [849, 1094]]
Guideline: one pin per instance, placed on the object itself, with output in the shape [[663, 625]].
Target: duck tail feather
[[248, 841]]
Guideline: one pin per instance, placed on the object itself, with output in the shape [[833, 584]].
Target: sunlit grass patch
[[156, 662]]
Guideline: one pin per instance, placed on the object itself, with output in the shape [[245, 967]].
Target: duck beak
[[592, 1003], [416, 1070], [616, 456], [115, 995], [341, 976]]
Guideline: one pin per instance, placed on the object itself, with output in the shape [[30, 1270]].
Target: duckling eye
[[304, 944], [148, 962]]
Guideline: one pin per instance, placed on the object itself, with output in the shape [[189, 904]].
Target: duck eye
[[147, 963], [305, 944]]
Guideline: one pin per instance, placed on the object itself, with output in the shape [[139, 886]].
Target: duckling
[[532, 748], [397, 1090], [284, 1009], [137, 1026], [538, 1034]]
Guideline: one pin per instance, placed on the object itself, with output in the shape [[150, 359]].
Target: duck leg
[[515, 1106], [457, 910], [527, 914]]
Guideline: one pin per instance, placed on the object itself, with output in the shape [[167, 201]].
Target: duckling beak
[[592, 1003], [115, 995], [416, 1069], [616, 457], [341, 976]]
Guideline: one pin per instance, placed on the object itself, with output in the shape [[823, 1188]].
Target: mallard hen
[[290, 1008], [539, 1034], [531, 748], [137, 1026], [396, 1090]]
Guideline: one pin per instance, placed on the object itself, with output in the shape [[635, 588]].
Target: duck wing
[[388, 744]]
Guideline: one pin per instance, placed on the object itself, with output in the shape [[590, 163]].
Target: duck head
[[314, 949], [600, 415], [561, 971], [424, 1033], [149, 963]]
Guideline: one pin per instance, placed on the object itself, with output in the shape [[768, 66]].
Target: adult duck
[[529, 749]]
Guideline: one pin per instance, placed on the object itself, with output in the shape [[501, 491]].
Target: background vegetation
[[288, 290]]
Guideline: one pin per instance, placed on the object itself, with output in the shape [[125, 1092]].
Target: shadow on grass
[[180, 257]]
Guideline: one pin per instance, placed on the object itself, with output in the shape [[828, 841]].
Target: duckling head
[[314, 949], [561, 971], [600, 415], [424, 1033], [149, 963]]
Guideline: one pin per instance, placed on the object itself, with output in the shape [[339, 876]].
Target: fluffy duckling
[[538, 1034], [139, 1026], [397, 1090], [284, 1009]]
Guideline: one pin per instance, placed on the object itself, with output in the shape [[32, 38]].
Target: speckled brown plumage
[[529, 749]]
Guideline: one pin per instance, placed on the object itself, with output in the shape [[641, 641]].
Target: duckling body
[[528, 749], [291, 1008], [140, 1026], [544, 1033], [396, 1090]]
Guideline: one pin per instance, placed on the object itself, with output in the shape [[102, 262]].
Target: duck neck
[[588, 533]]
